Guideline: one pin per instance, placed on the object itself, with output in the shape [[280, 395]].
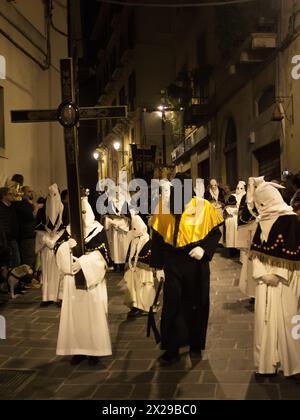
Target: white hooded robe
[[275, 348], [139, 280], [83, 328]]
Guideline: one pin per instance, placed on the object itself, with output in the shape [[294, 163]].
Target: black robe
[[186, 302], [211, 199], [244, 215]]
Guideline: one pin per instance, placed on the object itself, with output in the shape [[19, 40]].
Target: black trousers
[[185, 310]]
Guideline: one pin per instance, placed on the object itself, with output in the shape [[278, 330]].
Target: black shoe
[[168, 359], [134, 312], [195, 353], [296, 378], [93, 360], [78, 358], [45, 304], [265, 375]]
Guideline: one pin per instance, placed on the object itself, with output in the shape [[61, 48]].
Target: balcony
[[102, 100], [196, 137], [178, 152], [257, 47], [198, 112], [118, 73], [127, 57]]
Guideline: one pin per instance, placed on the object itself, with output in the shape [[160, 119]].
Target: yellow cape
[[198, 219]]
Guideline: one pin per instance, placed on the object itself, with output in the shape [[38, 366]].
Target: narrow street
[[29, 368]]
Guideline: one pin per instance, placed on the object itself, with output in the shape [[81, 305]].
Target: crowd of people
[[18, 212], [260, 219]]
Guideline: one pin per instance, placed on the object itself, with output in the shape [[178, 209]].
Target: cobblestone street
[[29, 368]]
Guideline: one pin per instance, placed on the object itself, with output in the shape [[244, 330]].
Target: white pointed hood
[[240, 191], [54, 209], [269, 204], [140, 237], [91, 227], [200, 188], [253, 183]]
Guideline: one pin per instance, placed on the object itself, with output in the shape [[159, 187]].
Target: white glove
[[76, 267], [50, 243], [271, 280], [160, 274], [72, 243], [197, 253]]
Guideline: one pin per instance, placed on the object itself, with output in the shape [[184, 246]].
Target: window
[[122, 96], [132, 90], [231, 154], [132, 135], [266, 100], [123, 43], [131, 31], [113, 61], [2, 138], [201, 50], [268, 158], [204, 171]]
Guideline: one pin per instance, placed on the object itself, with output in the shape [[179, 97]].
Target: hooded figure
[[215, 195], [183, 244], [276, 268], [139, 280], [117, 227], [49, 233], [246, 228], [83, 329], [231, 210]]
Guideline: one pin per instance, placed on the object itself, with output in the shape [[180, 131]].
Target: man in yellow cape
[[183, 244]]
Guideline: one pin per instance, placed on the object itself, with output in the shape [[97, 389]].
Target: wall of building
[[35, 150], [235, 96], [290, 85], [242, 109]]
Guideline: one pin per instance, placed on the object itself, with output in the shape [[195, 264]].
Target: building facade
[[241, 64], [135, 62], [31, 48]]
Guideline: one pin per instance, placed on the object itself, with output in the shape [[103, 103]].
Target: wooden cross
[[69, 115]]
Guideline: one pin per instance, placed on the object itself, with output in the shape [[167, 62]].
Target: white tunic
[[140, 291], [231, 224], [52, 282], [116, 231], [245, 235], [275, 308], [83, 328]]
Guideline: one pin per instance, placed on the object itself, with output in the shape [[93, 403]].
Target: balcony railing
[[196, 137], [198, 112]]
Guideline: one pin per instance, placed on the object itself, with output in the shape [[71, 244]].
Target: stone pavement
[[29, 368]]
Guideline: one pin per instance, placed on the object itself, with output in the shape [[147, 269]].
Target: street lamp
[[117, 145], [96, 155]]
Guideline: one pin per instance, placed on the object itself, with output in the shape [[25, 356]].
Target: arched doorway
[[231, 154]]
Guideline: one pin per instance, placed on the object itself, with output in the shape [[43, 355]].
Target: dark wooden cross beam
[[69, 115]]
